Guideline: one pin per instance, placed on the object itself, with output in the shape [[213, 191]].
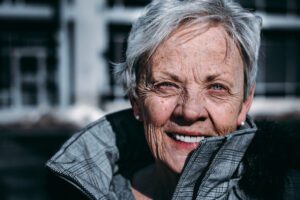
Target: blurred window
[[5, 83], [118, 34], [279, 63], [28, 63], [273, 6], [279, 71], [33, 83]]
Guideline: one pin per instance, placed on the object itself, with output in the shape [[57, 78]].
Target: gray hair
[[163, 17]]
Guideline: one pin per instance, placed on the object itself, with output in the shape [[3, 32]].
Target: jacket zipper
[[74, 182]]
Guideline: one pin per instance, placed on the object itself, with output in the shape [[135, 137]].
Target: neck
[[166, 180], [154, 182]]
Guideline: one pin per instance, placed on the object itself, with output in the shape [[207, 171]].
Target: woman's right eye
[[166, 86]]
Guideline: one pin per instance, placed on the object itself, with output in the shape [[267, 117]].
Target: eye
[[165, 85], [217, 86]]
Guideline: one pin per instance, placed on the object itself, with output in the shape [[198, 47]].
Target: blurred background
[[56, 76]]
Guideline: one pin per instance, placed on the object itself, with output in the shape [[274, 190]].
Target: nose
[[190, 108]]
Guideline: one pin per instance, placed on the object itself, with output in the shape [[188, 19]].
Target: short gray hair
[[163, 17]]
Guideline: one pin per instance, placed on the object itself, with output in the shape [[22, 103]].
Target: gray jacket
[[101, 159]]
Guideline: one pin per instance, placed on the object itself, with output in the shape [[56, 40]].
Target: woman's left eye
[[217, 86]]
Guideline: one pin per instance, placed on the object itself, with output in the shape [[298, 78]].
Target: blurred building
[[56, 66], [56, 56]]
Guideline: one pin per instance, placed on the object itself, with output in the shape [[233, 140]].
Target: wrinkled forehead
[[183, 35], [218, 40], [188, 30]]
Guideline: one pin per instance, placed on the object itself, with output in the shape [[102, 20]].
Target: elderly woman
[[190, 74]]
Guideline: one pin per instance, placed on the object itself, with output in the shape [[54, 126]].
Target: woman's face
[[193, 90]]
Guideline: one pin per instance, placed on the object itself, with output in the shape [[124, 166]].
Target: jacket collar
[[214, 163], [98, 160]]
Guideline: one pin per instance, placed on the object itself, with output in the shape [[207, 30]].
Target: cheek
[[224, 116], [157, 110]]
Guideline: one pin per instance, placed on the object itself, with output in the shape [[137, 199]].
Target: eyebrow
[[173, 76], [212, 77]]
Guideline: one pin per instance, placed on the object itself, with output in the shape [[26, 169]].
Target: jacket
[[101, 159]]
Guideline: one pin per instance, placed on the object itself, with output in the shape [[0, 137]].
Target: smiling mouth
[[186, 138]]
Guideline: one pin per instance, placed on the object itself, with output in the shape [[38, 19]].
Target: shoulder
[[272, 154], [97, 135], [97, 153], [117, 137], [276, 143]]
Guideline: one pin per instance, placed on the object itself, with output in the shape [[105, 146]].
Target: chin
[[178, 169], [177, 165]]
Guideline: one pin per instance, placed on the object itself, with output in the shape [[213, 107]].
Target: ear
[[135, 107], [246, 107]]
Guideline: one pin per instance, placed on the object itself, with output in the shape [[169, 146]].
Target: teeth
[[188, 139]]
